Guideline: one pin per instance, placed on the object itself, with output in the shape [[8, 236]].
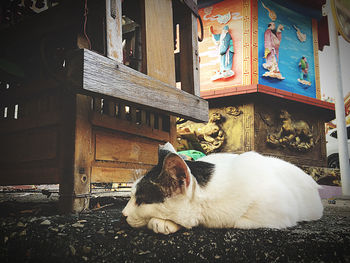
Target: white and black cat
[[222, 191]]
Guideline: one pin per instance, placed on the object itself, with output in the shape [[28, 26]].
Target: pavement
[[33, 231]]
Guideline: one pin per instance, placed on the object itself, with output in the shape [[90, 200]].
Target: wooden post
[[160, 40], [189, 57], [77, 155], [114, 29], [160, 54]]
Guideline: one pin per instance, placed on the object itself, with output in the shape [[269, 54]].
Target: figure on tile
[[225, 43], [304, 72], [272, 39]]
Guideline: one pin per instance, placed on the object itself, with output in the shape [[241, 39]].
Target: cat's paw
[[163, 226]]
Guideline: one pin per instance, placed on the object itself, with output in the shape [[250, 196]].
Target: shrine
[[88, 89], [259, 70]]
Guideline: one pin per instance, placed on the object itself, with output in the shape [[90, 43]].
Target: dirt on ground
[[36, 232]]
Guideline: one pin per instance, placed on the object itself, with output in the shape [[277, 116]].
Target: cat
[[222, 190]]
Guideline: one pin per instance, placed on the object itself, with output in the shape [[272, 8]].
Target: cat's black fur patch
[[202, 171], [148, 190]]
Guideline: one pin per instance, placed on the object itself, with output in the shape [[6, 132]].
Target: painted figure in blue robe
[[304, 72], [225, 43]]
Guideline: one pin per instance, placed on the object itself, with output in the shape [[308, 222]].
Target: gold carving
[[233, 111], [210, 136], [296, 135]]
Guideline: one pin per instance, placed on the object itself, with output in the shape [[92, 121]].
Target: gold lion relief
[[296, 135]]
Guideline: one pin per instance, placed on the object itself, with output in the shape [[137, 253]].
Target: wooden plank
[[115, 175], [122, 147], [160, 40], [189, 58], [102, 75], [122, 125], [114, 29]]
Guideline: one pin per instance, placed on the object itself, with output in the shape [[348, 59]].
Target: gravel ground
[[34, 232]]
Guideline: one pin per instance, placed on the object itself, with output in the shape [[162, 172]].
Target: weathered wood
[[102, 75], [83, 154], [189, 56], [114, 29], [103, 121], [124, 147], [160, 40], [115, 175]]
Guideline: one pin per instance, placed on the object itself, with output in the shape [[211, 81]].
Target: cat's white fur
[[246, 191]]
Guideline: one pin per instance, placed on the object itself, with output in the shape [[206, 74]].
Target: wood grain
[[160, 40], [115, 175], [114, 29], [122, 147], [104, 76], [189, 58], [101, 120]]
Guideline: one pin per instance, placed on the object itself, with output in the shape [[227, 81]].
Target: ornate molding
[[317, 65], [246, 43], [255, 49]]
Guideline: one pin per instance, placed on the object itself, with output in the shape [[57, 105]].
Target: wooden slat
[[102, 75], [114, 175], [97, 105]]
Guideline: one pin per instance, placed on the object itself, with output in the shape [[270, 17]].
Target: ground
[[35, 232]]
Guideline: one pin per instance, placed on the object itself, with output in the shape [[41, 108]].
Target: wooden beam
[[100, 75]]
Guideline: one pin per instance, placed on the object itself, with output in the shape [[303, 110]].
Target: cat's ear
[[164, 150], [167, 147], [176, 168]]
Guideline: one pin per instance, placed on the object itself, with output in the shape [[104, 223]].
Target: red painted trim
[[233, 91]]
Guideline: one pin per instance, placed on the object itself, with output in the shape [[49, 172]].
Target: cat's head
[[162, 191]]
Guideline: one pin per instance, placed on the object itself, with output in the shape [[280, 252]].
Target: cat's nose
[[123, 219], [124, 214]]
